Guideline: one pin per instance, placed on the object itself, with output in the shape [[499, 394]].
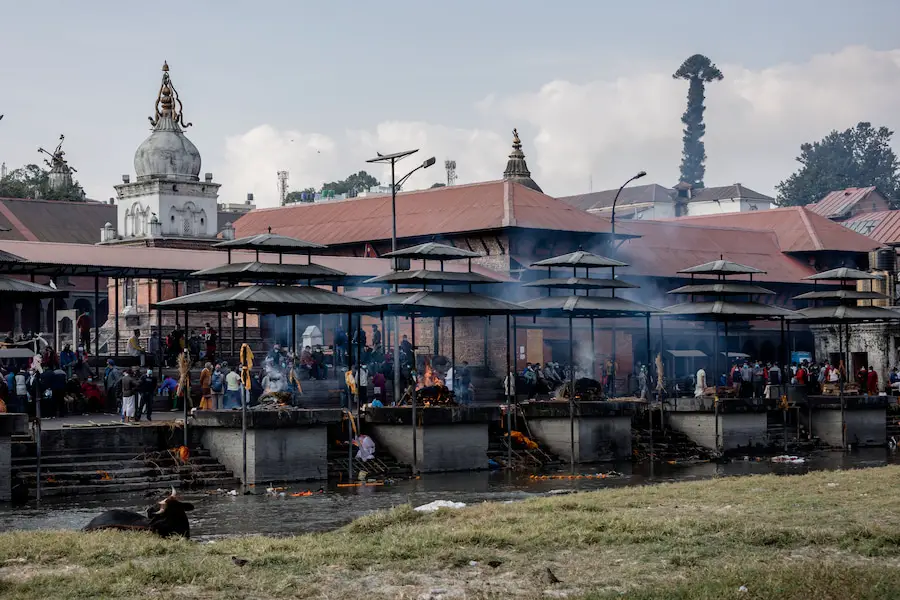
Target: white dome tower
[[168, 185]]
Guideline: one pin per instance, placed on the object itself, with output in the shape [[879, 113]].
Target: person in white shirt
[[448, 379], [701, 383], [232, 390], [362, 384]]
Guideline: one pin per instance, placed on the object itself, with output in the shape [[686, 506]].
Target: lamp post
[[395, 185], [612, 223]]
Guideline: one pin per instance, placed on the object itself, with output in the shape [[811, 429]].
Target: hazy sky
[[315, 88]]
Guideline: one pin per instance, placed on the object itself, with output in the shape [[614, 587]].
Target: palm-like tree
[[698, 70]]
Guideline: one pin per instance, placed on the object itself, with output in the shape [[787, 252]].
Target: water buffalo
[[167, 518]]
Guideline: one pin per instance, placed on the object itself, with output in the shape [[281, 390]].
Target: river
[[222, 515]]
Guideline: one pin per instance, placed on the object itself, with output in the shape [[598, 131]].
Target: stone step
[[123, 474], [75, 456], [135, 486], [108, 464]]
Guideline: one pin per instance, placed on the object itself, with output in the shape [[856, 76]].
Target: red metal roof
[[440, 211], [882, 226], [839, 202], [796, 227], [186, 260], [666, 247]]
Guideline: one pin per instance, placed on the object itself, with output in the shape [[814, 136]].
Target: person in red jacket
[[872, 379]]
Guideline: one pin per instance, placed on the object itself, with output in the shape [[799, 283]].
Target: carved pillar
[[44, 326]]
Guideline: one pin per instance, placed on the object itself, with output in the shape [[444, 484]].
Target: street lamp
[[612, 222], [612, 219], [395, 185]]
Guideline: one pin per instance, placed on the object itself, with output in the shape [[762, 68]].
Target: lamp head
[[640, 174], [428, 163]]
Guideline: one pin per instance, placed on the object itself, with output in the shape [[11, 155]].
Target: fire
[[430, 378], [104, 476]]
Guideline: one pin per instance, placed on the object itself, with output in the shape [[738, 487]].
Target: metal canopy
[[721, 267], [424, 277], [7, 257], [687, 353], [433, 251], [727, 311], [433, 303], [844, 314], [579, 258], [843, 273], [580, 283], [841, 295], [21, 288], [270, 242], [723, 289], [268, 299], [265, 272], [56, 269], [587, 306]]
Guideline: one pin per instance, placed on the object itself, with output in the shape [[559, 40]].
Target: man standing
[[211, 339], [154, 348], [129, 391], [465, 382], [759, 380], [147, 390], [362, 384], [872, 380], [700, 387], [376, 337], [111, 378], [83, 323], [217, 387], [134, 347]]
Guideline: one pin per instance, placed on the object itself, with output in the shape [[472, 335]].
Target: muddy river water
[[221, 515]]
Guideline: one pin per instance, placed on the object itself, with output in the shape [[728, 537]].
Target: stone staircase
[[86, 472]]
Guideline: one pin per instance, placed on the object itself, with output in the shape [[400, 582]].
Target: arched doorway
[[83, 305]]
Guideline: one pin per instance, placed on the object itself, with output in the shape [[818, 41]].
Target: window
[[130, 292], [192, 286]]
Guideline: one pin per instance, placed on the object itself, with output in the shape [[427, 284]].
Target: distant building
[[841, 205], [654, 202], [239, 208]]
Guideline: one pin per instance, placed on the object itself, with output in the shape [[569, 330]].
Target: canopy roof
[[721, 267], [270, 242], [10, 287], [580, 283], [687, 353], [723, 289], [845, 314], [433, 251], [843, 274], [424, 276], [433, 303], [262, 272], [268, 299], [7, 257], [579, 258], [587, 306], [841, 295], [727, 311]]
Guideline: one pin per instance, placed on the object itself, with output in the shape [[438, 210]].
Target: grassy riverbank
[[827, 535]]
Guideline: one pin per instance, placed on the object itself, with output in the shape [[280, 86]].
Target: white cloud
[[607, 130]]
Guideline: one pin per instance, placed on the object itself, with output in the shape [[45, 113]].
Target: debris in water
[[439, 504], [787, 458]]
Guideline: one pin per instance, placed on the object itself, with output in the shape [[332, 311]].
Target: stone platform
[[282, 445], [602, 430], [737, 423], [864, 419], [447, 438]]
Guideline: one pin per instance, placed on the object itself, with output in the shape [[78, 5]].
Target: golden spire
[[168, 104]]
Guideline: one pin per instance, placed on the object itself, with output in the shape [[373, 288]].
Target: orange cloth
[[205, 382]]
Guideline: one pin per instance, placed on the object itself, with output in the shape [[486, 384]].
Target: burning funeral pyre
[[586, 390], [431, 389]]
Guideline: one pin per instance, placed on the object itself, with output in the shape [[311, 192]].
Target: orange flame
[[104, 476]]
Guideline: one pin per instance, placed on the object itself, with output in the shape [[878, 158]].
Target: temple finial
[[270, 229], [168, 103], [516, 168]]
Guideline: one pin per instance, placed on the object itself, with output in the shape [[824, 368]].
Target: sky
[[316, 88]]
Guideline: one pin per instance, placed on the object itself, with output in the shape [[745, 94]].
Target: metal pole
[[96, 326], [841, 388], [615, 368], [116, 317], [508, 400], [350, 398], [37, 436], [294, 334], [413, 394], [649, 403], [159, 335], [571, 396], [219, 344], [515, 345], [453, 354], [593, 352], [233, 319]]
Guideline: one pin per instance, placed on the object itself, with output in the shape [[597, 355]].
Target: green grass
[[818, 536]]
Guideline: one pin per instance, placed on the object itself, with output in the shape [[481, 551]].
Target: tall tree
[[698, 70], [352, 185], [32, 181], [857, 157]]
